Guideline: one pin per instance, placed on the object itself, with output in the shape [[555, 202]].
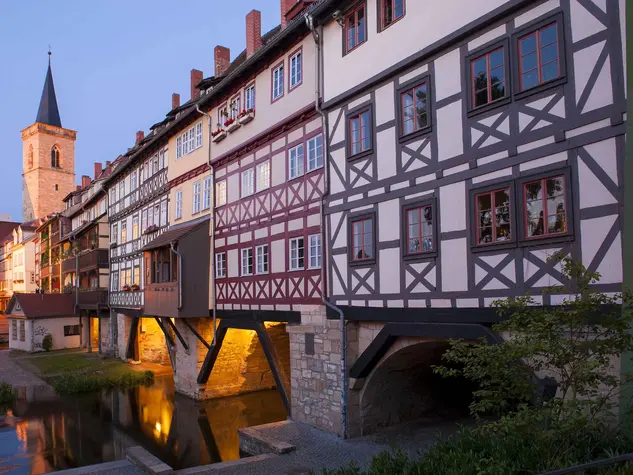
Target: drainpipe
[[211, 224], [173, 249], [309, 19]]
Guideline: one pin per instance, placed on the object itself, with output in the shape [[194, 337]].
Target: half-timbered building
[[463, 152]]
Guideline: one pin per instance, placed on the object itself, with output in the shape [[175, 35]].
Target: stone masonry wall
[[105, 347], [151, 343], [123, 330]]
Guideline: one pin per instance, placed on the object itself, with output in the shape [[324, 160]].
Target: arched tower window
[[55, 157], [29, 160]]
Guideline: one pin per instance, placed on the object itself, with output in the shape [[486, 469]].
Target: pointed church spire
[[48, 112]]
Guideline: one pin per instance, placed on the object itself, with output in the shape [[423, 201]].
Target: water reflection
[[43, 432]]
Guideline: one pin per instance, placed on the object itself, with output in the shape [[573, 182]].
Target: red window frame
[[488, 80], [543, 199], [363, 243], [493, 207], [359, 117], [539, 47], [383, 4], [420, 209], [353, 16], [415, 103]]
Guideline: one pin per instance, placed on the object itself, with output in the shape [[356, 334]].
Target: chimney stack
[[196, 77], [78, 187], [140, 135], [98, 169], [85, 181], [222, 60], [253, 32], [286, 5], [108, 163], [175, 101]]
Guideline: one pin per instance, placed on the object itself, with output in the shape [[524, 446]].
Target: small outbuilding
[[33, 316]]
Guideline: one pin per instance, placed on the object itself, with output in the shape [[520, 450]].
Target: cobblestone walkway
[[14, 375]]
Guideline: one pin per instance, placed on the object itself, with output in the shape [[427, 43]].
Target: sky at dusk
[[115, 65]]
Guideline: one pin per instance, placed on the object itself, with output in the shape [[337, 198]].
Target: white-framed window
[[135, 226], [150, 216], [121, 189], [115, 281], [314, 251], [196, 197], [297, 260], [206, 193], [163, 213], [249, 97], [192, 139], [155, 164], [247, 261], [223, 114], [263, 176], [123, 232], [114, 232], [315, 152], [179, 152], [248, 182], [220, 193], [295, 162], [134, 182], [220, 265], [278, 81], [178, 214], [113, 196], [235, 107], [295, 69], [261, 258], [199, 135]]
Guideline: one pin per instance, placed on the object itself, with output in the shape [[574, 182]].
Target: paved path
[[15, 375]]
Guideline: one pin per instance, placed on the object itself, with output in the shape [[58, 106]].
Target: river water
[[43, 432]]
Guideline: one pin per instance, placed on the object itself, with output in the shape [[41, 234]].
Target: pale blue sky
[[115, 65]]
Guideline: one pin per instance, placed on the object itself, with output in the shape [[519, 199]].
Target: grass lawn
[[53, 364]]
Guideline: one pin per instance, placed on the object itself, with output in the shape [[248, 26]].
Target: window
[[295, 162], [539, 60], [188, 141], [206, 193], [488, 77], [115, 281], [115, 232], [113, 195], [248, 182], [178, 214], [236, 107], [249, 97], [223, 114], [220, 265], [295, 69], [133, 182], [196, 197], [163, 213], [355, 28], [315, 153], [419, 229], [278, 81], [22, 332], [391, 11], [359, 132], [71, 330], [220, 193], [415, 115], [493, 216], [296, 254], [247, 261], [14, 330], [55, 157], [179, 150], [56, 187], [261, 254], [123, 232], [362, 239], [135, 226], [263, 176], [199, 135], [545, 207], [314, 251], [121, 190], [150, 216]]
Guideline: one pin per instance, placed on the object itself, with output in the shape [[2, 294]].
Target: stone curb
[[255, 442], [221, 467], [145, 461], [97, 468]]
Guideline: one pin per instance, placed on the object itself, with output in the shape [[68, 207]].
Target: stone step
[[145, 461]]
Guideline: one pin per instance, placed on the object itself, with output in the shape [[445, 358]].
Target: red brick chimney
[[196, 77], [286, 5], [108, 163], [253, 32], [85, 181], [98, 169], [140, 135], [78, 187], [175, 101], [222, 60]]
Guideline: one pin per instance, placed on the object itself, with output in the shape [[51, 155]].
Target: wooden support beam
[[131, 339], [209, 439], [275, 364], [212, 354], [178, 335], [198, 336], [170, 340]]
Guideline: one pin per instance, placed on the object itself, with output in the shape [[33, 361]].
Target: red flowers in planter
[[125, 288], [245, 112], [216, 132], [228, 122]]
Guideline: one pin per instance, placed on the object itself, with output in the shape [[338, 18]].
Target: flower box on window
[[246, 116], [113, 244], [135, 288], [150, 229], [126, 288], [231, 124], [218, 135]]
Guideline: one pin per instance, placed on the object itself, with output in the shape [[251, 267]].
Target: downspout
[[211, 224], [173, 249], [326, 190]]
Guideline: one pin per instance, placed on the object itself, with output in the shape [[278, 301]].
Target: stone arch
[[29, 158], [55, 157]]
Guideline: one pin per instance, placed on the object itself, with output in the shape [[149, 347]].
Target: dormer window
[[55, 157]]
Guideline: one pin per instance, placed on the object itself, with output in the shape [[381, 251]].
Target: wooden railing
[[93, 259], [92, 297]]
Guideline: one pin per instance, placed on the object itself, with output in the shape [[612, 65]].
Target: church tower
[[48, 158]]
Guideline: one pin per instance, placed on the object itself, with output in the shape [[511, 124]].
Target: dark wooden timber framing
[[177, 333], [131, 339], [197, 335], [387, 336], [274, 362], [168, 338], [280, 316]]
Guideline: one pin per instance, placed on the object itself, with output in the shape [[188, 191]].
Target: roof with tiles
[[41, 305]]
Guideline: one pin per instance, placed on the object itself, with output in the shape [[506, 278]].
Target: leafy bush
[[47, 342], [7, 393], [84, 383]]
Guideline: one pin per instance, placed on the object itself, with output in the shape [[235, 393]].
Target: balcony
[[126, 299], [55, 237], [93, 259], [91, 298], [161, 300], [45, 271], [68, 265]]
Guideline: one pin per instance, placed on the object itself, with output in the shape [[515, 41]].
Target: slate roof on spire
[[48, 112]]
